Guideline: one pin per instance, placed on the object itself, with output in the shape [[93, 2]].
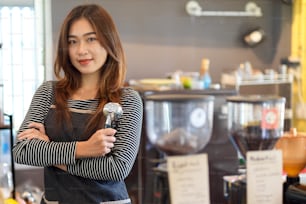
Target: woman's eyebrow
[[86, 34]]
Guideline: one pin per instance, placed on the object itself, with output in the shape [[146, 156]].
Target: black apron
[[64, 188]]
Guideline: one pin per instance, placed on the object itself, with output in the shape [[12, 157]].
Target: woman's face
[[85, 51]]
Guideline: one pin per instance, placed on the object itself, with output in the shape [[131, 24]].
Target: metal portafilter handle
[[112, 111]]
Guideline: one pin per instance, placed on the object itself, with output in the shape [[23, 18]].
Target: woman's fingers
[[25, 134], [37, 130], [38, 126], [32, 134], [101, 142]]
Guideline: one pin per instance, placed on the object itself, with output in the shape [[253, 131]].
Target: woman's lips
[[84, 61]]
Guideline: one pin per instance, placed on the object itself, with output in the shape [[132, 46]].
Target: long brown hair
[[112, 73]]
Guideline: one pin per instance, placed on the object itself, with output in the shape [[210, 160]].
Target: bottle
[[5, 149], [204, 73]]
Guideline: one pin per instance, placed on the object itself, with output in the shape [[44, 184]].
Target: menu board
[[188, 179], [264, 177]]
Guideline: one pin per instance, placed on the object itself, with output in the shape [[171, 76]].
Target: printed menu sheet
[[188, 179], [264, 177]]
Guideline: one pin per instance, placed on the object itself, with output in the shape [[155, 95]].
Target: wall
[[160, 37]]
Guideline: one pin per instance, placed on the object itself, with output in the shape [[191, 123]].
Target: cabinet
[[8, 125]]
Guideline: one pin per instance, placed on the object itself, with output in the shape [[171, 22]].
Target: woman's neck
[[88, 90]]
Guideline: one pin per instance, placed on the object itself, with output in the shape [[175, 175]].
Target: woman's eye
[[71, 42], [91, 39]]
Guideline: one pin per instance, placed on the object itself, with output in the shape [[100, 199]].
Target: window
[[22, 61]]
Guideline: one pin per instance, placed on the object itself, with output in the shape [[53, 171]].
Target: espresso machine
[[255, 123]]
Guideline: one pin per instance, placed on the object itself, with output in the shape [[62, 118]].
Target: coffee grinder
[[255, 123], [176, 124]]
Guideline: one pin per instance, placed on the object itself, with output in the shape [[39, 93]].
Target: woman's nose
[[82, 49]]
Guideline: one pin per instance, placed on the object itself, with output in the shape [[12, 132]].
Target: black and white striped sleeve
[[39, 106], [37, 152], [117, 164]]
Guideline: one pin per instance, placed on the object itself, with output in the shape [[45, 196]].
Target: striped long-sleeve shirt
[[61, 150]]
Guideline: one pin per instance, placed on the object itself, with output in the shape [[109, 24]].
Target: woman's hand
[[99, 144], [62, 167], [36, 131]]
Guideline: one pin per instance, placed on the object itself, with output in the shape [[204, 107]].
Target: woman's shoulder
[[46, 88], [47, 85], [128, 91], [129, 94]]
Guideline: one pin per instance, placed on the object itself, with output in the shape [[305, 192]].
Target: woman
[[63, 130]]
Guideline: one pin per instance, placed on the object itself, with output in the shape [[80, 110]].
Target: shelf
[[193, 8], [230, 80], [4, 127]]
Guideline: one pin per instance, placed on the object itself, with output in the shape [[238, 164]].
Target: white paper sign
[[264, 177], [188, 179]]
